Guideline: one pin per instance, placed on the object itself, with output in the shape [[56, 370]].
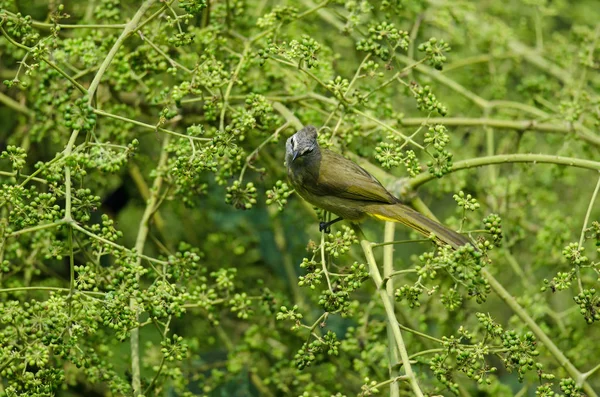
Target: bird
[[331, 182]]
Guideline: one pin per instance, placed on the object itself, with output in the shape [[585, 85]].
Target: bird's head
[[302, 143]]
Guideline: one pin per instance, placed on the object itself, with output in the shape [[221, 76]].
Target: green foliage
[[278, 195], [131, 138]]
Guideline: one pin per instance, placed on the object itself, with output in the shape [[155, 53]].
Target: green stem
[[539, 35], [309, 74], [14, 105], [356, 74], [590, 372], [148, 126], [68, 192], [420, 206], [490, 147], [516, 47], [428, 351], [48, 26], [448, 82], [518, 125], [512, 261], [57, 289], [533, 57], [388, 270], [288, 115], [156, 375], [166, 56], [467, 61], [532, 110], [288, 264], [588, 213], [36, 228], [140, 183], [71, 269], [413, 37], [324, 263], [232, 81], [49, 62], [130, 27], [323, 98], [140, 242], [421, 334], [154, 15], [393, 382], [391, 316], [39, 170], [383, 85], [538, 332], [19, 175], [386, 126], [509, 158], [255, 152], [300, 16], [388, 277], [115, 245]]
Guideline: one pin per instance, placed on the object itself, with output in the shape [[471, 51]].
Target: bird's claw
[[324, 227]]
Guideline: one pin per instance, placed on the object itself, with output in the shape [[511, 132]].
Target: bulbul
[[331, 182]]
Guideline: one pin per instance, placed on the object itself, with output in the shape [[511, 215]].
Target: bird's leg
[[324, 226]]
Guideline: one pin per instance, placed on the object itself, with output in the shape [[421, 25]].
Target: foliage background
[[134, 134]]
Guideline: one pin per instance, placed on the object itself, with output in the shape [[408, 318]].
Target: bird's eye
[[293, 142], [307, 150]]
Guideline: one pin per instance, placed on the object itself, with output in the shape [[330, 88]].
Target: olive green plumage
[[336, 184]]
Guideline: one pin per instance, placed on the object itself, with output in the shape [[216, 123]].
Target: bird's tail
[[417, 221]]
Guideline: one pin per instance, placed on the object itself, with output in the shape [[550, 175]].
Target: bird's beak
[[296, 153]]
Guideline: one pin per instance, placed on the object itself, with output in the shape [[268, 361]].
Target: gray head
[[301, 143]]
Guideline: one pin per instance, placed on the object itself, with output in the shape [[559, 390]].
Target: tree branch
[[391, 316], [509, 158]]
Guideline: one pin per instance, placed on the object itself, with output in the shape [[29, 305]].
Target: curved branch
[[509, 158], [518, 125]]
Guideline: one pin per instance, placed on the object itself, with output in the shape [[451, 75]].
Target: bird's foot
[[324, 227]]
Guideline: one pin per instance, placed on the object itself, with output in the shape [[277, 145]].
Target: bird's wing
[[340, 177]]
